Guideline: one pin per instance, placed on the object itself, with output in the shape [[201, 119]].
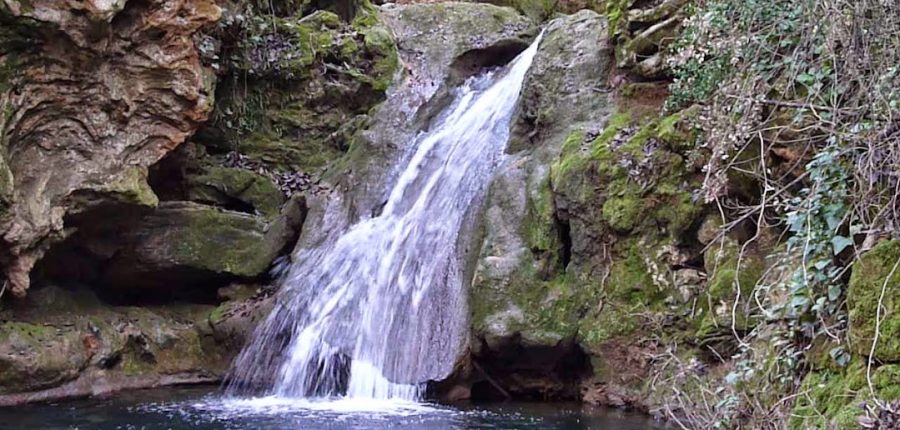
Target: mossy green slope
[[297, 85]]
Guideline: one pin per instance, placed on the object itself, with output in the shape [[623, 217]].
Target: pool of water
[[199, 408]]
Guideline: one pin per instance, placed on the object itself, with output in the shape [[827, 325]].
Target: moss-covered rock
[[296, 82], [184, 243], [638, 177], [66, 336], [870, 277], [732, 273], [522, 285], [831, 399], [601, 262], [36, 356], [223, 186]]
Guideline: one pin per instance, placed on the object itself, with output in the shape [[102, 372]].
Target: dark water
[[193, 408]]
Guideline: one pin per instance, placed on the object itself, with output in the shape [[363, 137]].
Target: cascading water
[[380, 309]]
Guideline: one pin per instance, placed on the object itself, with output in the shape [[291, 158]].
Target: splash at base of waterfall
[[380, 309]]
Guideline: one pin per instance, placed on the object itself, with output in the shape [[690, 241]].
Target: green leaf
[[805, 78], [840, 243], [834, 292], [840, 355]]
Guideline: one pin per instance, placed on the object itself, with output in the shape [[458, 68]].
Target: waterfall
[[380, 309]]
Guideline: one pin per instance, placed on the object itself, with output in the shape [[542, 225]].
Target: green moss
[[677, 130], [221, 185], [614, 126], [550, 307], [218, 314], [629, 291], [729, 273], [661, 191], [831, 398], [572, 159], [632, 189], [617, 14], [131, 186], [623, 211], [870, 274], [539, 224], [206, 238], [27, 332], [298, 81], [629, 277]]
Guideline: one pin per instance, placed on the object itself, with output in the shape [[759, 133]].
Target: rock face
[[438, 45], [519, 293], [93, 93], [63, 343], [590, 237]]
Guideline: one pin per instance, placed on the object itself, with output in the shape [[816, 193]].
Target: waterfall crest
[[377, 311]]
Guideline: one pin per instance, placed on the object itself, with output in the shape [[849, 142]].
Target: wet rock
[[430, 38], [234, 320], [520, 285]]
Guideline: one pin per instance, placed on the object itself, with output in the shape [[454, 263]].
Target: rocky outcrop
[[185, 244], [592, 237], [520, 295], [64, 343], [93, 93]]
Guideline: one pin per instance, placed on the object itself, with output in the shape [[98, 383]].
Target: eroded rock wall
[[94, 93]]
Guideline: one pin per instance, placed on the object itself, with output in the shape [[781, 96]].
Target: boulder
[[183, 243], [229, 187]]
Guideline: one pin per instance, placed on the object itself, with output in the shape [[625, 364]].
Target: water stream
[[380, 309]]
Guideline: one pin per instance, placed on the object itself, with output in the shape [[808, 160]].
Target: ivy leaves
[[816, 220]]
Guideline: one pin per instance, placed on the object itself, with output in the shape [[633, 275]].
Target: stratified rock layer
[[94, 93]]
